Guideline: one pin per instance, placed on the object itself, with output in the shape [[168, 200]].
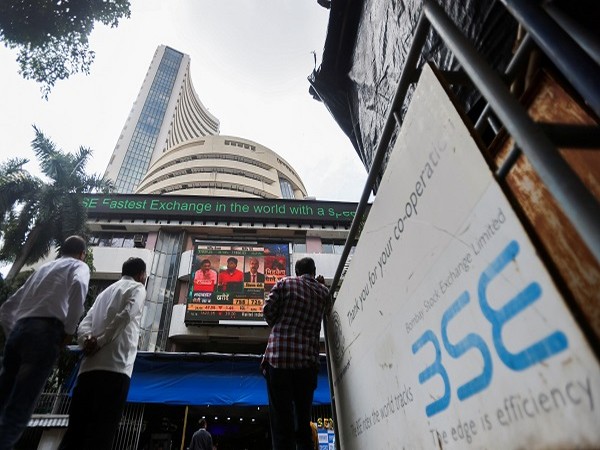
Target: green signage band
[[198, 208]]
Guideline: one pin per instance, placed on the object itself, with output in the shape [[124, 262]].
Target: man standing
[[109, 337], [205, 278], [38, 320], [231, 275], [293, 310], [201, 440], [253, 275]]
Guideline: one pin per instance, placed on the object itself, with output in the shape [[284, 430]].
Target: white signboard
[[448, 332]]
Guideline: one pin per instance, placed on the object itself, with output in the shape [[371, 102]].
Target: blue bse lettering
[[437, 368], [555, 343], [471, 341], [535, 353]]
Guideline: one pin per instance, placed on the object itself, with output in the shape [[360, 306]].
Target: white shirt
[[57, 289], [114, 320]]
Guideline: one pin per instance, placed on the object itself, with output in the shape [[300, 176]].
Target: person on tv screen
[[231, 275], [205, 278], [253, 275]]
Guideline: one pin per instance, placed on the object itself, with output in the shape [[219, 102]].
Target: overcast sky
[[249, 64]]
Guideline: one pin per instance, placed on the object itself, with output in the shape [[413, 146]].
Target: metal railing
[[130, 427], [54, 404]]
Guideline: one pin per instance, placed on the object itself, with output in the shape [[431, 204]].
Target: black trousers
[[290, 401], [29, 356], [96, 408]]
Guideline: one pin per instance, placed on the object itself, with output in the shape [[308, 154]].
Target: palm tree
[[40, 214], [15, 184]]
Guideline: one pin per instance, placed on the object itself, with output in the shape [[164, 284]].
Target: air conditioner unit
[[139, 241]]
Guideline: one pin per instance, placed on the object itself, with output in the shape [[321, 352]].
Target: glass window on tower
[[148, 126], [287, 191]]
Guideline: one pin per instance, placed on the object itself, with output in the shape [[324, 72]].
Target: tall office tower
[[166, 112]]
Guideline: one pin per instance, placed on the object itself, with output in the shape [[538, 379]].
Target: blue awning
[[206, 379]]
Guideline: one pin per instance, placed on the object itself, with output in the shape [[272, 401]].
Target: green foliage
[[15, 185], [51, 36], [93, 289], [66, 363], [42, 214]]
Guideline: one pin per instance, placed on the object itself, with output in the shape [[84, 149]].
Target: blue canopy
[[206, 379]]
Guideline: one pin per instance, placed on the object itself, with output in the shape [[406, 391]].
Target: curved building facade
[[170, 144], [167, 111], [190, 119], [224, 166]]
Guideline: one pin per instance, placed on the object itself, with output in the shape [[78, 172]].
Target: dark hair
[[73, 246], [133, 267], [231, 258], [204, 261], [305, 266], [202, 423]]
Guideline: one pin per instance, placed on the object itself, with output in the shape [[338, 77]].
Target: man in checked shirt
[[294, 311]]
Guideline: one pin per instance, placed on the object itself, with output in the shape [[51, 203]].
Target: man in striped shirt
[[294, 311]]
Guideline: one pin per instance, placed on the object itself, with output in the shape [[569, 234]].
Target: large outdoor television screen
[[230, 282]]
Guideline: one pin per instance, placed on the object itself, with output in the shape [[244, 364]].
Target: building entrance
[[232, 427]]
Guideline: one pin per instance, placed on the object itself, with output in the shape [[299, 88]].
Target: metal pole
[[572, 195], [509, 162], [331, 391], [185, 417], [138, 426], [575, 64], [405, 80], [515, 65], [587, 39]]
